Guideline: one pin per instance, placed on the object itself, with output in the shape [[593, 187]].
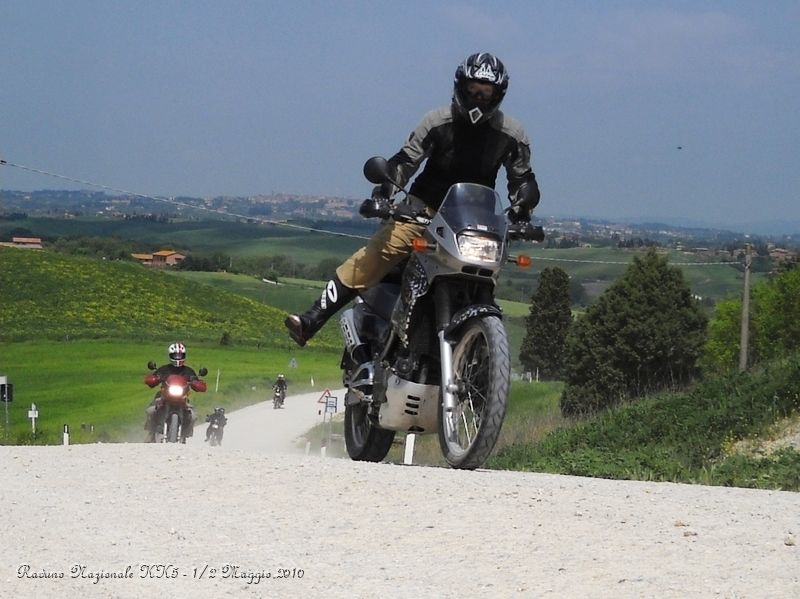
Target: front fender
[[465, 314]]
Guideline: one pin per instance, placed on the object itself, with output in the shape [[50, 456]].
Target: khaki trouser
[[384, 250]]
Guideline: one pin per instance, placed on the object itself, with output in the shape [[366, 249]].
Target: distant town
[[282, 207]]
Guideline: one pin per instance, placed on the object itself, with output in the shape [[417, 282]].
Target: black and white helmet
[[177, 354], [482, 68]]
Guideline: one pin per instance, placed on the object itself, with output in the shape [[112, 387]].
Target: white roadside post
[[33, 414], [331, 406], [66, 434], [408, 454], [6, 396]]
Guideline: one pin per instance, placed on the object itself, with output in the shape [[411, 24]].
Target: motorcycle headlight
[[479, 247], [175, 390]]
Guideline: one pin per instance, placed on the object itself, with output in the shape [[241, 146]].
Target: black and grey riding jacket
[[459, 152]]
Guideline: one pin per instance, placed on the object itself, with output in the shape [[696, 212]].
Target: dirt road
[[135, 520], [261, 428]]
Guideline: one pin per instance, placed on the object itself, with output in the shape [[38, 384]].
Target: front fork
[[449, 386]]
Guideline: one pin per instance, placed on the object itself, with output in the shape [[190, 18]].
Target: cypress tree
[[547, 324]]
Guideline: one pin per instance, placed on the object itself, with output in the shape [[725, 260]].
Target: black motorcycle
[[278, 397], [216, 427]]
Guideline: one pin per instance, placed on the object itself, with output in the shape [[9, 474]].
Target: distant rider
[[177, 358], [219, 417], [280, 386]]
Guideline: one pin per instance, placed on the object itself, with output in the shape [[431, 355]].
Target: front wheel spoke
[[473, 412], [466, 427]]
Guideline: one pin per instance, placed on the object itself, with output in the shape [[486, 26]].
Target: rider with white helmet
[[176, 352]]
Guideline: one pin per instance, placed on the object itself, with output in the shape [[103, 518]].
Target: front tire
[[172, 428], [364, 441], [482, 372]]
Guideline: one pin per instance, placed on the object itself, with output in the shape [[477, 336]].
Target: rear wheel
[[364, 441], [482, 371]]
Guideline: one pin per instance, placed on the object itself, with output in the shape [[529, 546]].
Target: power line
[[534, 257]]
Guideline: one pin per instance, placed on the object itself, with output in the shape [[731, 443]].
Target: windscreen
[[473, 206]]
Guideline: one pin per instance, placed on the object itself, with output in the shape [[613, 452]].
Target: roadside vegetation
[[639, 406], [679, 437]]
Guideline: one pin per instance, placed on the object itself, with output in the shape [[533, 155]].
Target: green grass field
[[290, 295], [58, 297], [590, 265]]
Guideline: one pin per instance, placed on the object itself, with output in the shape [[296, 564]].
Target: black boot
[[303, 327]]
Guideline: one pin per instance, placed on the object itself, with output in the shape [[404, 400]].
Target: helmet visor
[[479, 94]]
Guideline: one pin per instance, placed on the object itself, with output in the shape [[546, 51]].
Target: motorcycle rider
[[219, 417], [466, 141], [280, 386], [176, 353]]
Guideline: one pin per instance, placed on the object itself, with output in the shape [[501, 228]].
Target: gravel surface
[[136, 520]]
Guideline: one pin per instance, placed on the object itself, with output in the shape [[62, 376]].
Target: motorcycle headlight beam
[[175, 390], [479, 248]]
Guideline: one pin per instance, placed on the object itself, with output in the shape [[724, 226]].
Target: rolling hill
[[51, 296]]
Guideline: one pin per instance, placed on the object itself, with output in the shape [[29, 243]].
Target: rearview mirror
[[203, 371], [376, 170], [151, 365]]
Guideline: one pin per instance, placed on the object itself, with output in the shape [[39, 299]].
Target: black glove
[[519, 214], [375, 207], [525, 200], [526, 231], [379, 192]]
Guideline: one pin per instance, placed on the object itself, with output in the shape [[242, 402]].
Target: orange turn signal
[[524, 261], [419, 244]]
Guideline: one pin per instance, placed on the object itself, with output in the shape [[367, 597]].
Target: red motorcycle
[[172, 405]]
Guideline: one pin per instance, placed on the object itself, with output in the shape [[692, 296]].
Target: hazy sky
[[225, 97]]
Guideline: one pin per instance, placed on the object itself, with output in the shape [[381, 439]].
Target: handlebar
[[377, 208], [384, 209], [525, 232]]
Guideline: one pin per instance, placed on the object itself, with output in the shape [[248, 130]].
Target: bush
[[644, 334]]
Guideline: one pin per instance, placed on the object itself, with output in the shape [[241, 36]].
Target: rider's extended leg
[[388, 246]]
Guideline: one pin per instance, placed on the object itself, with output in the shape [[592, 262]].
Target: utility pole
[[745, 333]]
